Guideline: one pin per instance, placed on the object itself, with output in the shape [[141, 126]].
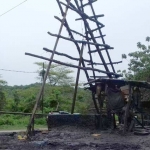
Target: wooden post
[[127, 109], [47, 72], [98, 93], [77, 80]]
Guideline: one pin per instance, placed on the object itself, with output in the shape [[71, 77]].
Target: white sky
[[25, 28]]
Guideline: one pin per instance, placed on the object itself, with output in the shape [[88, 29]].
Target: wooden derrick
[[90, 40]]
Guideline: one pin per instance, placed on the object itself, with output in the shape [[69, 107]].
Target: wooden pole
[[127, 110], [47, 72], [77, 80]]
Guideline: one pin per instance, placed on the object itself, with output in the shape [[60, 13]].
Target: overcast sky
[[24, 29]]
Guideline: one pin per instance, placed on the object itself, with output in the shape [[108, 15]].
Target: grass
[[19, 127], [16, 122]]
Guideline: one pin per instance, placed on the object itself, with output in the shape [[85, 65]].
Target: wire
[[17, 71], [12, 8]]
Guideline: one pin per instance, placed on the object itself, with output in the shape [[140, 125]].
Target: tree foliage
[[22, 98], [2, 94], [139, 65], [58, 75]]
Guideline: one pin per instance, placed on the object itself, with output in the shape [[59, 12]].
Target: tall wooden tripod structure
[[95, 44]]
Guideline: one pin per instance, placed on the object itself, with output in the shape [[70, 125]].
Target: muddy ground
[[73, 138]]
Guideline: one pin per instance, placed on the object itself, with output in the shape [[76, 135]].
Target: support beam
[[68, 56], [93, 51], [91, 81], [97, 16], [78, 41], [99, 76], [106, 63]]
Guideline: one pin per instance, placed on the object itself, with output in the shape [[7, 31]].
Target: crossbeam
[[93, 51], [99, 76], [94, 29], [98, 37], [70, 65], [106, 63], [97, 16], [78, 41], [62, 54]]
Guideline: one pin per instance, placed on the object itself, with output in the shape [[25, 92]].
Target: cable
[[17, 71], [12, 8]]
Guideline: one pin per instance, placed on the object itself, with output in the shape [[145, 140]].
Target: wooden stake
[[46, 74]]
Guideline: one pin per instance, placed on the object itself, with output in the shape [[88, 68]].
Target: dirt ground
[[73, 138]]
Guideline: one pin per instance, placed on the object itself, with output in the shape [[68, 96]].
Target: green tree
[[16, 99], [139, 65], [58, 75], [2, 94]]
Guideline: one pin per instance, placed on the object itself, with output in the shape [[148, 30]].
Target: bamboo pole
[[45, 77], [77, 81]]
